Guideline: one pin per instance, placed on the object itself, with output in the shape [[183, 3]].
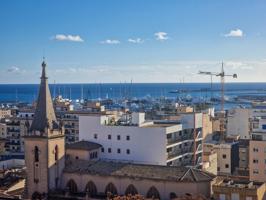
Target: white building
[[238, 123], [132, 139], [242, 121]]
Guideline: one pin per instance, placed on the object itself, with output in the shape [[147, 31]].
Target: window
[[226, 166], [255, 171], [36, 154], [56, 153], [93, 155], [118, 137], [95, 136], [102, 149], [128, 137], [109, 150], [128, 151], [255, 161], [224, 156], [235, 196], [109, 137], [118, 150], [255, 150]]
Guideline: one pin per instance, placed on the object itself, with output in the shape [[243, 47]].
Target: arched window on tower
[[36, 154], [56, 153]]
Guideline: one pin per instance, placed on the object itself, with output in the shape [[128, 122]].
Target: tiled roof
[[44, 114], [84, 145], [155, 172]]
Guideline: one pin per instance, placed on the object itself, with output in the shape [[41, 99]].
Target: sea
[[27, 93]]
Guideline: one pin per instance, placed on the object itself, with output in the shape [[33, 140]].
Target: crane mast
[[222, 76]]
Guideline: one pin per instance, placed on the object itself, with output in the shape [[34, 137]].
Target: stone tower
[[44, 146]]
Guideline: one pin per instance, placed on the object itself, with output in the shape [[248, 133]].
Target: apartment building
[[128, 137], [70, 121], [227, 155], [257, 150], [238, 189], [5, 113], [13, 144]]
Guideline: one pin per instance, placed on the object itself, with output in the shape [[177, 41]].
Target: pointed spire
[[44, 116]]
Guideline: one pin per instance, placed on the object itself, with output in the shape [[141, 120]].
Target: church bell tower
[[44, 146]]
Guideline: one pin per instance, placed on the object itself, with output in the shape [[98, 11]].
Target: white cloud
[[238, 65], [72, 38], [235, 33], [161, 36], [13, 69], [135, 41], [109, 41]]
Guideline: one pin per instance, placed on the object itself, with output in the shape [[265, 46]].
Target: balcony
[[180, 152], [12, 130], [13, 123], [69, 126], [15, 143], [182, 138]]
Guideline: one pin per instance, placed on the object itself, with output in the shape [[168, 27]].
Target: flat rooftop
[[239, 184], [158, 125]]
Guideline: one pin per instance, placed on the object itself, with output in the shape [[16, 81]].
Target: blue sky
[[143, 40]]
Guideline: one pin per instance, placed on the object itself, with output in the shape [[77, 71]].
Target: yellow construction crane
[[222, 75]]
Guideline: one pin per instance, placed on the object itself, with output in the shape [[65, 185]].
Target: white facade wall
[[12, 163], [147, 145], [238, 122], [191, 120]]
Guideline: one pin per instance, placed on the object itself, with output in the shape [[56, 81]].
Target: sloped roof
[[84, 145], [155, 172], [44, 114]]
